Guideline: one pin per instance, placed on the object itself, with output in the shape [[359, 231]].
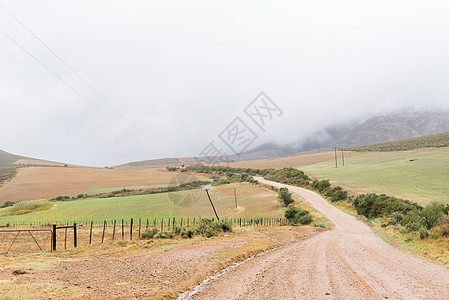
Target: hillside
[[160, 163], [429, 141], [8, 159], [418, 175], [12, 160], [394, 127]]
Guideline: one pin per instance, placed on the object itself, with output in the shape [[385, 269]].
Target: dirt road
[[348, 262]]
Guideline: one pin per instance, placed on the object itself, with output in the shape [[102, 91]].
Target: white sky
[[180, 71]]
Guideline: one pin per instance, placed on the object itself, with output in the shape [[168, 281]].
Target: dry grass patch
[[148, 269]]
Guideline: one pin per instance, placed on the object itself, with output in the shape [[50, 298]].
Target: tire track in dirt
[[350, 261]]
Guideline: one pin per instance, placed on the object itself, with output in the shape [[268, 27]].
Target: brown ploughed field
[[48, 182]]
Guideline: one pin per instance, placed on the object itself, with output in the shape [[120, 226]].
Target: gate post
[[53, 238], [74, 235]]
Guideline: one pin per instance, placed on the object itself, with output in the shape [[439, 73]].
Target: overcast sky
[[176, 73]]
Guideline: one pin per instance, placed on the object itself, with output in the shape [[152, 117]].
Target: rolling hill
[[8, 159], [429, 141], [413, 169], [12, 160]]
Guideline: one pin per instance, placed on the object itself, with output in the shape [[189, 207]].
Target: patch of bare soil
[[348, 262], [146, 269]]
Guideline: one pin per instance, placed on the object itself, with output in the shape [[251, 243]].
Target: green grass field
[[253, 201], [422, 180]]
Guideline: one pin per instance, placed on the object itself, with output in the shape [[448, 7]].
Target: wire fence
[[45, 237]]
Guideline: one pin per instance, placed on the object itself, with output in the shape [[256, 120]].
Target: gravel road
[[348, 262]]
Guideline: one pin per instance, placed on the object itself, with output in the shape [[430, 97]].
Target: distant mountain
[[379, 129], [394, 127]]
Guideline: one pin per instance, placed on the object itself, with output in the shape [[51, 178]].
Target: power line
[[74, 72], [71, 87]]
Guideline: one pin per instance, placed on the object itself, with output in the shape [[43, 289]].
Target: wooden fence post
[[104, 228], [113, 232], [90, 235], [139, 228], [75, 241], [123, 231], [131, 230], [53, 238]]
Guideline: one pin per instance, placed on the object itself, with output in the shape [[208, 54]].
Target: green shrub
[[337, 194], [396, 218], [150, 233], [285, 197], [423, 233], [205, 227], [321, 185], [411, 220], [374, 206], [306, 219], [295, 215], [223, 225], [209, 232], [432, 214], [445, 227], [7, 204], [288, 176], [188, 233], [291, 212], [164, 235]]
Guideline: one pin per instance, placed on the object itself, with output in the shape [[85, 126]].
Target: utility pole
[[342, 156], [235, 196], [336, 163], [318, 148], [213, 207]]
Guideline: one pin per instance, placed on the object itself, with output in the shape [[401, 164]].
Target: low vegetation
[[25, 207], [129, 192], [7, 173], [296, 216], [205, 227], [285, 197], [7, 204], [429, 141]]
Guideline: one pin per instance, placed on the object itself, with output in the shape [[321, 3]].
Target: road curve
[[348, 262]]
